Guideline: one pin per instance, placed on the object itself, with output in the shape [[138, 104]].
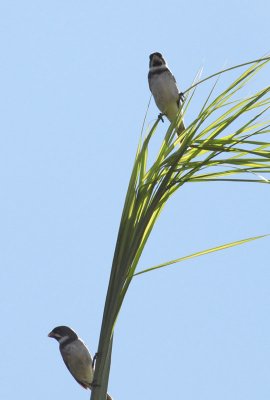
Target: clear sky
[[73, 96]]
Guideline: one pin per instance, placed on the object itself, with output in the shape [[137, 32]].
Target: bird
[[76, 356], [164, 89]]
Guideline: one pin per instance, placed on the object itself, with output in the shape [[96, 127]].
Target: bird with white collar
[[164, 89], [76, 356]]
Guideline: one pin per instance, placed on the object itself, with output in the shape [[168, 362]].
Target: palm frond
[[227, 141], [200, 253]]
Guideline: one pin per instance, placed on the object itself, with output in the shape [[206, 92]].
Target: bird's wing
[[79, 363], [67, 361], [180, 95]]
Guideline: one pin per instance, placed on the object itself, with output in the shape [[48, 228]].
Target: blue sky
[[73, 96]]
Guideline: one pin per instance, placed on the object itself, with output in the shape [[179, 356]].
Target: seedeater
[[164, 88], [76, 356]]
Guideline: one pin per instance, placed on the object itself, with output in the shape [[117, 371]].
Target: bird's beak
[[51, 335]]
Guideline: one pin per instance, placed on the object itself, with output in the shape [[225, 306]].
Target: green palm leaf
[[200, 253], [227, 141]]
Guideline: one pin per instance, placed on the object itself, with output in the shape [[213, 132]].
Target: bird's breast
[[165, 91], [79, 361]]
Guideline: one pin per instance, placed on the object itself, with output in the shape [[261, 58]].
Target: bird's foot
[[95, 384], [95, 359], [181, 97], [160, 117]]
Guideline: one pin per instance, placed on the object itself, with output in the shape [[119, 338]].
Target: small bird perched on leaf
[[164, 88], [75, 355]]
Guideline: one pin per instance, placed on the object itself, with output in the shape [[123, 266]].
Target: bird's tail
[[90, 387], [172, 118], [180, 128]]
